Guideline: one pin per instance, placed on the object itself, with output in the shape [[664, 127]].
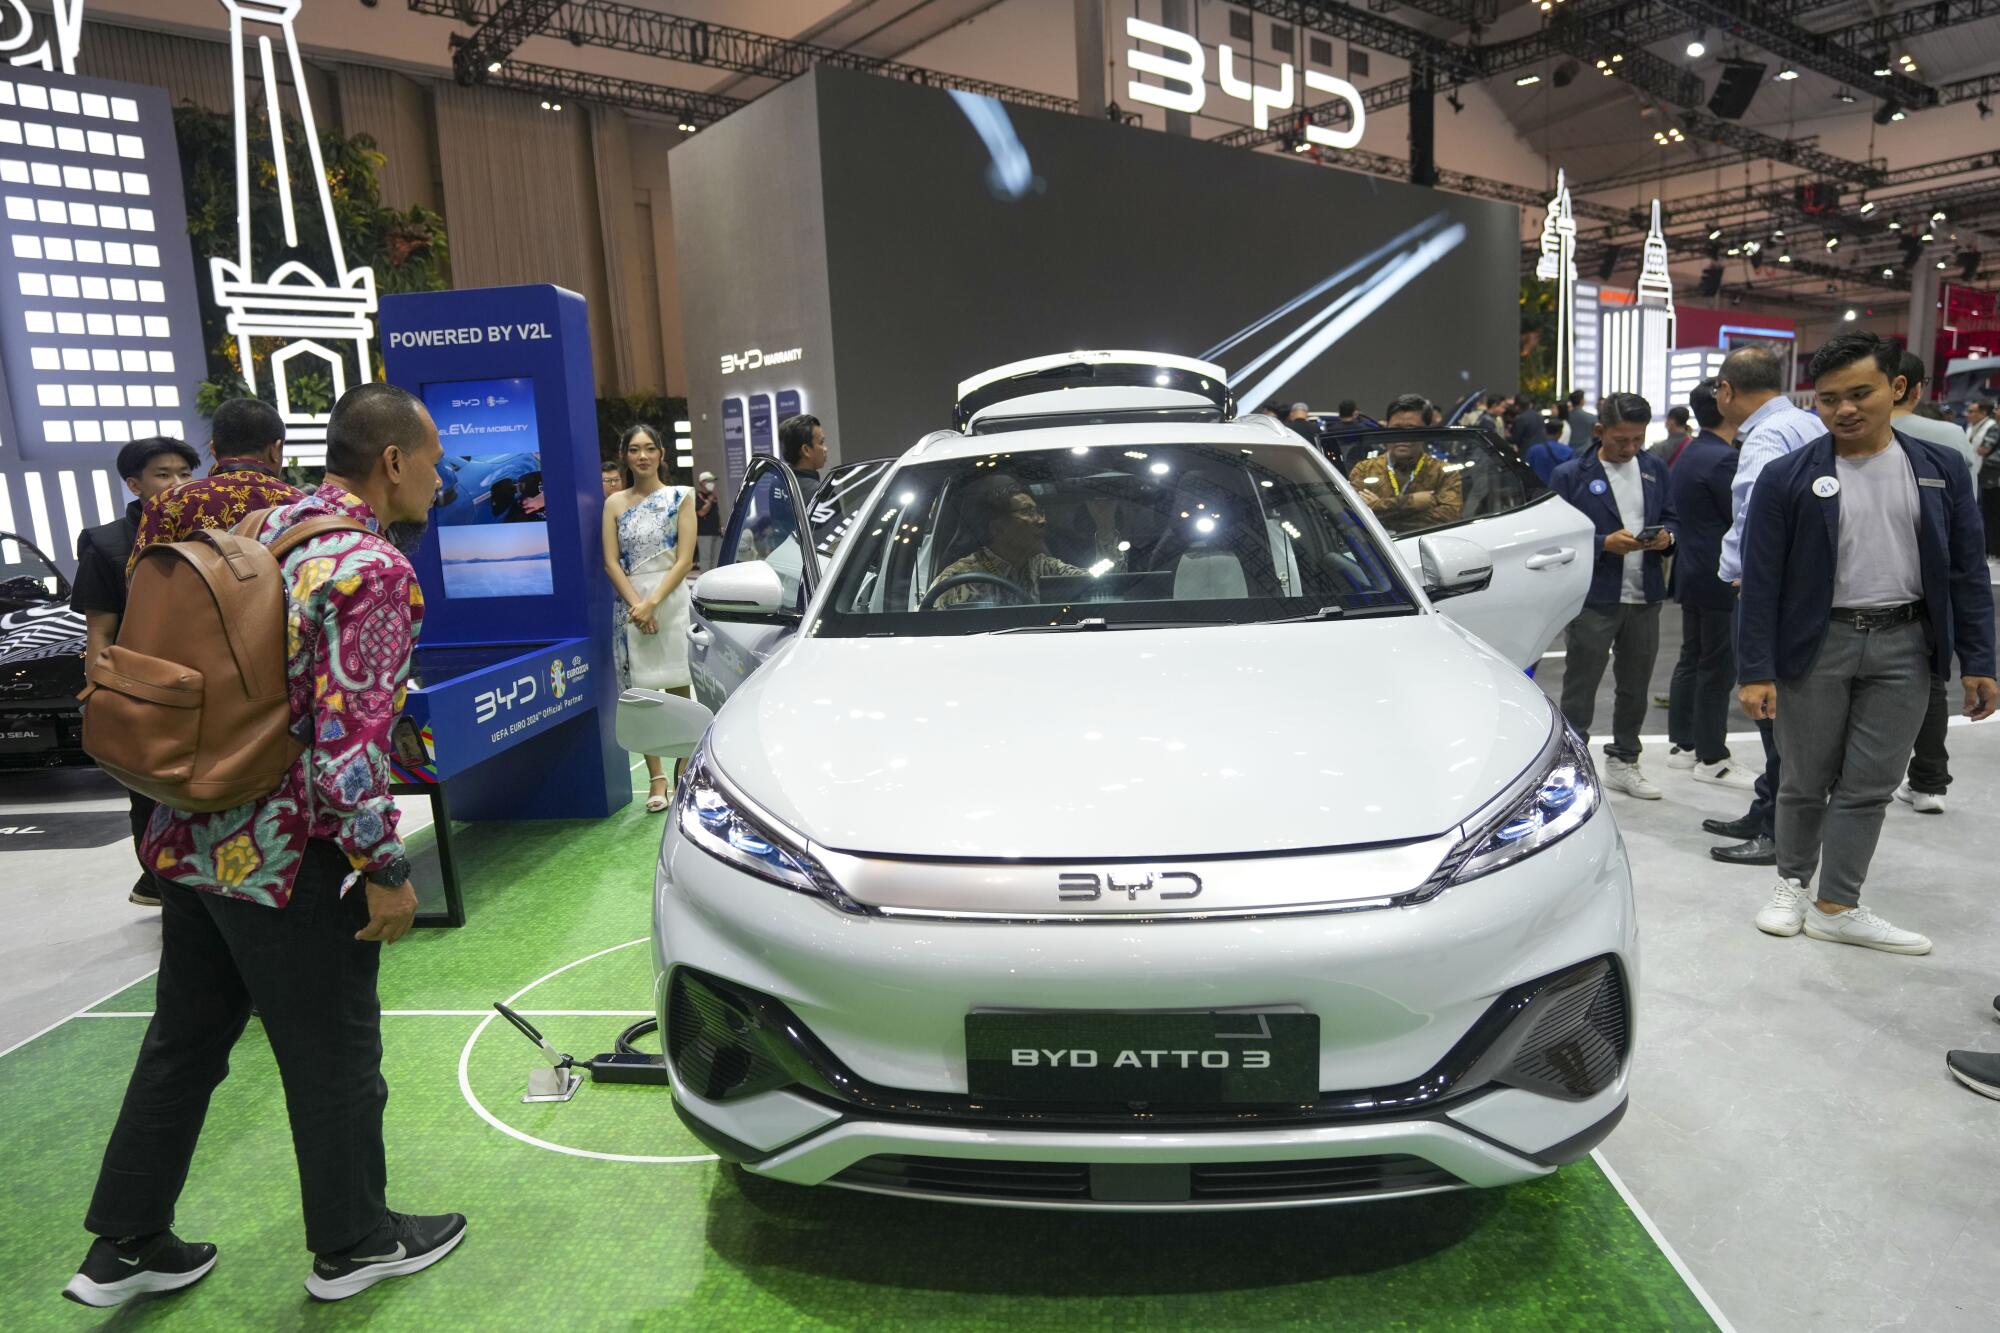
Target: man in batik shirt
[[1015, 549], [247, 444], [284, 903]]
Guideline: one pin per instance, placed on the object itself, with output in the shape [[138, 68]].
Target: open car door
[[745, 608], [1541, 544]]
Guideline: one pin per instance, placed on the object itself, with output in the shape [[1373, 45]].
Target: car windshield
[[1109, 536], [36, 577]]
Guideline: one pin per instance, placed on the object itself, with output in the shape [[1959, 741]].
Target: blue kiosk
[[510, 712]]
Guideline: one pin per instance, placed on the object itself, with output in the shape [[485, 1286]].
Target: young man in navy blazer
[[1704, 677], [1863, 572], [1624, 492]]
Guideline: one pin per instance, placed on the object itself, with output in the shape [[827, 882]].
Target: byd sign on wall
[[1186, 63]]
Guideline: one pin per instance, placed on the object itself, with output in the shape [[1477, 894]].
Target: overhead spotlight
[[545, 104], [1833, 241], [1883, 69], [1715, 235], [1887, 112], [555, 106], [1941, 265], [1928, 236], [1851, 315], [1565, 73], [1734, 251], [1777, 233], [1897, 114], [1752, 247], [1784, 259], [493, 68], [1847, 97], [1938, 216], [1527, 80], [1867, 207], [1895, 224], [1888, 272], [1787, 74], [1618, 59], [1698, 48]]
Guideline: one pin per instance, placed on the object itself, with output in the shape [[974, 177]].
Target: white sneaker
[[1923, 802], [1786, 911], [1861, 926], [1678, 757], [1624, 775], [1726, 773]]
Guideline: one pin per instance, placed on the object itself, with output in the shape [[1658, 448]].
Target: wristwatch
[[394, 875]]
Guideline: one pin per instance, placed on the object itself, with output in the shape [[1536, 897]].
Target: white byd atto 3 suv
[[1104, 815]]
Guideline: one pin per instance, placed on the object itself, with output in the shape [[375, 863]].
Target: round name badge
[[1827, 487], [1599, 487]]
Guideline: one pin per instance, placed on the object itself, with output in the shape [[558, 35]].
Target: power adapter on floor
[[628, 1067], [624, 1065]]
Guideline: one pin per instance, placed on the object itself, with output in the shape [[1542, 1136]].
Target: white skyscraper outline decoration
[[65, 18], [1558, 264], [1656, 285], [293, 302]]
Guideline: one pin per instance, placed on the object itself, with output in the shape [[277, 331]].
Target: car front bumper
[[1409, 1001]]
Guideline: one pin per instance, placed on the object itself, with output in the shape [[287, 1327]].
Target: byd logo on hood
[[1186, 63]]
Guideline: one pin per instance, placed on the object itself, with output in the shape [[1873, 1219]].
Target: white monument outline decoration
[[1656, 285], [1558, 264], [293, 302], [66, 19]]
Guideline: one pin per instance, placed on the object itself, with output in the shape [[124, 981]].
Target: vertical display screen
[[493, 536], [763, 437], [790, 403], [735, 453]]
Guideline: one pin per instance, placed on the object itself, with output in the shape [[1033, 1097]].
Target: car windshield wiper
[[1333, 613]]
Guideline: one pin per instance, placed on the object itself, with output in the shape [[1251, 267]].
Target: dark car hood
[[41, 654]]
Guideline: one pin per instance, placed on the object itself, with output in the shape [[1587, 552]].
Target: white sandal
[[657, 801]]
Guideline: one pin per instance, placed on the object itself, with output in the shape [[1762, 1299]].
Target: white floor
[[1793, 1132]]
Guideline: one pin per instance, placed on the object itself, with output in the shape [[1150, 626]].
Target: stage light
[[1895, 224], [1527, 80], [1715, 235], [1784, 259], [493, 68], [1847, 97], [1941, 265], [1867, 207], [1833, 242], [1787, 74], [1928, 236], [1851, 315], [1735, 250], [1696, 49], [1888, 272], [1887, 112], [1938, 216], [545, 104], [1897, 114], [1882, 67], [1777, 233]]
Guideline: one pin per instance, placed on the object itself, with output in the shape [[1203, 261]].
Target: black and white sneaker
[[113, 1273], [404, 1245], [1977, 1070]]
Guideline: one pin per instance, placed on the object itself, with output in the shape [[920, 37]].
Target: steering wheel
[[971, 576]]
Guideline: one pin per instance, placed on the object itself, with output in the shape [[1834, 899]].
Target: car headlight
[[728, 827], [1551, 801]]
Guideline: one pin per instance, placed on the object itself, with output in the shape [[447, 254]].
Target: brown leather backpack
[[189, 706]]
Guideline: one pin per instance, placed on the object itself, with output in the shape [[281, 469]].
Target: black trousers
[[1989, 508], [1930, 765], [1764, 805], [1698, 700], [314, 987], [142, 814]]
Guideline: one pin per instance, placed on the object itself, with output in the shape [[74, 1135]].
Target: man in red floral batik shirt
[[247, 442], [285, 902]]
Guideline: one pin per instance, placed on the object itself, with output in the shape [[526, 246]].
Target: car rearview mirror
[[1453, 566], [657, 723], [749, 587]]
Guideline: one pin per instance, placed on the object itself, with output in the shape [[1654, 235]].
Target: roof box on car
[[1107, 385]]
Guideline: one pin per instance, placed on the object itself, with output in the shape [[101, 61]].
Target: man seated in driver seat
[[1409, 490], [1015, 547]]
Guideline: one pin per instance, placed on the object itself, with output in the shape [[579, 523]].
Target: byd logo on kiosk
[[1187, 63], [487, 704]]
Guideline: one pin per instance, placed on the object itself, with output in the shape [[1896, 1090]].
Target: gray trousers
[[1628, 637], [1846, 729]]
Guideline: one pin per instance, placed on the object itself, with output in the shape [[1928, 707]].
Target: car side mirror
[[657, 723], [1453, 566], [750, 587]]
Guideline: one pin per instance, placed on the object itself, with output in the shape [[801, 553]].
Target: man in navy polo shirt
[[1624, 492]]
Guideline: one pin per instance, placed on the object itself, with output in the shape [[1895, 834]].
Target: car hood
[[1131, 743], [41, 654]]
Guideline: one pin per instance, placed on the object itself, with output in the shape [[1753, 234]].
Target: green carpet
[[583, 1243]]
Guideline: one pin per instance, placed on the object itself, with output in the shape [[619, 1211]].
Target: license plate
[[26, 737], [1172, 1059]]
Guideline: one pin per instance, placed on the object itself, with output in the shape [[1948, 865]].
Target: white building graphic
[[56, 51], [1638, 338], [324, 321], [1557, 264]]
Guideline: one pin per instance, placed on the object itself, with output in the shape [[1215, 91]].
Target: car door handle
[[698, 634], [1562, 555]]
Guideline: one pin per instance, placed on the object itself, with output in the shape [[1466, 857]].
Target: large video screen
[[493, 535], [961, 235]]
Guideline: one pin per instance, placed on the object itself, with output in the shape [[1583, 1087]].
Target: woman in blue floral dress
[[649, 544]]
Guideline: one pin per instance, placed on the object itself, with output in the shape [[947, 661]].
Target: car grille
[[1578, 1037], [1319, 1180]]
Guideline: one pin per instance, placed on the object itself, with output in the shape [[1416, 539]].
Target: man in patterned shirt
[[247, 443], [1409, 490], [285, 902], [1015, 548]]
